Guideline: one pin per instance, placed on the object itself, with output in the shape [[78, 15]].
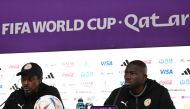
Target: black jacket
[[154, 96], [19, 98]]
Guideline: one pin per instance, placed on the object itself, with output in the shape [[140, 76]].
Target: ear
[[145, 75], [40, 79]]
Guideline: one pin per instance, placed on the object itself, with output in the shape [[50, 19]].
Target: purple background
[[118, 37]]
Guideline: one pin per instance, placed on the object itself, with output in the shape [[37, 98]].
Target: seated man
[[32, 89], [139, 92]]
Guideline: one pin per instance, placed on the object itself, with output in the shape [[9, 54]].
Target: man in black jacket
[[139, 92], [32, 89]]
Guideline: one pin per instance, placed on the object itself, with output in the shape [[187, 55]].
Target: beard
[[27, 91]]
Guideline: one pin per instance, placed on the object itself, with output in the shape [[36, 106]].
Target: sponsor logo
[[71, 84], [83, 92], [50, 65], [148, 61], [87, 84], [166, 71], [106, 63], [166, 82], [186, 72], [49, 76], [166, 61], [1, 86], [125, 63], [106, 73], [69, 74], [14, 87], [185, 82], [184, 60], [87, 74], [15, 66], [68, 64]]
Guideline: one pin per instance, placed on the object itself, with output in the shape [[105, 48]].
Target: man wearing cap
[[32, 90]]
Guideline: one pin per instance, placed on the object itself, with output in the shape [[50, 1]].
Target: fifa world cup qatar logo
[[48, 102]]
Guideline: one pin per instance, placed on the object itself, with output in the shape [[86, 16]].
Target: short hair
[[139, 63]]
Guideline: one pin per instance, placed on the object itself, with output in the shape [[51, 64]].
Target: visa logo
[[106, 63], [166, 61], [167, 71]]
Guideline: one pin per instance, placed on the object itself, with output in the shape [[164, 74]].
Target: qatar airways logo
[[87, 74], [185, 82], [166, 61]]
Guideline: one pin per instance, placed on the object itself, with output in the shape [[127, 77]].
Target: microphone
[[117, 96]]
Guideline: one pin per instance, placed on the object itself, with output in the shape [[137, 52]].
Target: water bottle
[[80, 104]]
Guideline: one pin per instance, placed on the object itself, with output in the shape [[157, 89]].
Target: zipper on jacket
[[136, 102]]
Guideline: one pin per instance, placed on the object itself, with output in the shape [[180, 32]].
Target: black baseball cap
[[30, 69]]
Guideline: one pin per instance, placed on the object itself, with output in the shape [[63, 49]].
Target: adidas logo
[[186, 72], [14, 87], [50, 76], [125, 63]]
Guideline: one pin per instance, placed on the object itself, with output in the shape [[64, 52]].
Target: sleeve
[[111, 98], [166, 101], [9, 103]]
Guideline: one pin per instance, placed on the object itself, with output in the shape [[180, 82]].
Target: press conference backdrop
[[93, 74]]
